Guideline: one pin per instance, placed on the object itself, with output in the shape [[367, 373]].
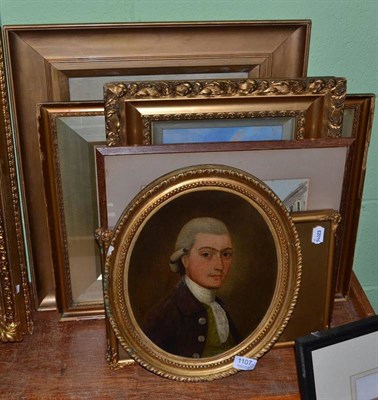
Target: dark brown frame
[[306, 345], [363, 106], [41, 59]]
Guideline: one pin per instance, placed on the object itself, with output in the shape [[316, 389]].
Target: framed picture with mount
[[118, 189], [42, 63]]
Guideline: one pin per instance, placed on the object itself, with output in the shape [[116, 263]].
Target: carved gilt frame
[[165, 192], [41, 61], [15, 304], [323, 99]]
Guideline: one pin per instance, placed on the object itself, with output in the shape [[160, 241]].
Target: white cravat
[[207, 296]]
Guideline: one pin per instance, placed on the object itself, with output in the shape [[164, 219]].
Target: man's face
[[209, 260]]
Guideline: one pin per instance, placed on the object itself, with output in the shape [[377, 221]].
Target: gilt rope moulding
[[261, 241]]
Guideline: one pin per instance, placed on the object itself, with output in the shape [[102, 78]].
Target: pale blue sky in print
[[222, 134]]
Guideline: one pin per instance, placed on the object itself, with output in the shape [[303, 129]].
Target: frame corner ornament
[[10, 332]]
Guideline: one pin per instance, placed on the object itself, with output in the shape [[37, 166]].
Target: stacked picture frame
[[88, 159], [134, 113]]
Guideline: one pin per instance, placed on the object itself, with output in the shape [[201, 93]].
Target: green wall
[[344, 42]]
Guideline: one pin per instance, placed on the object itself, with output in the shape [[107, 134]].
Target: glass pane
[[91, 88], [77, 139], [222, 130], [348, 120]]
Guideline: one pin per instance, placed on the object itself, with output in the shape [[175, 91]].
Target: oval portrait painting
[[205, 267]]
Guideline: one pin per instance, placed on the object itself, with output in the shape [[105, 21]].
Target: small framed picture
[[203, 111], [339, 363]]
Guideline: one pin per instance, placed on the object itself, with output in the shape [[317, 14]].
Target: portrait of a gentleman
[[192, 321]]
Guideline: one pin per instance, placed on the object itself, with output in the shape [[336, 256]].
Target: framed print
[[117, 189], [317, 231], [69, 133], [15, 302], [237, 226], [340, 362], [42, 63], [133, 109], [358, 120]]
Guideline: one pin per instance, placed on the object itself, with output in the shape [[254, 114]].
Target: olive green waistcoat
[[213, 345]]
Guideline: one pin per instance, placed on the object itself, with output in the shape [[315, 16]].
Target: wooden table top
[[66, 360]]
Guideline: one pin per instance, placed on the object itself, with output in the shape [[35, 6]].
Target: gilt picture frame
[[131, 108], [214, 188], [15, 294], [68, 135], [317, 231]]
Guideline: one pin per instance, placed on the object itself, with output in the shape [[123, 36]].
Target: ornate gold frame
[[139, 116], [15, 305], [48, 113], [41, 60], [322, 97], [204, 178]]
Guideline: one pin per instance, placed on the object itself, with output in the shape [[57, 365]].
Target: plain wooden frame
[[41, 59]]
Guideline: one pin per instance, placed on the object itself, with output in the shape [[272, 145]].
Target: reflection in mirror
[[77, 138], [91, 88], [220, 130]]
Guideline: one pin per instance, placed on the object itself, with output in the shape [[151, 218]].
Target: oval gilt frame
[[166, 202]]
